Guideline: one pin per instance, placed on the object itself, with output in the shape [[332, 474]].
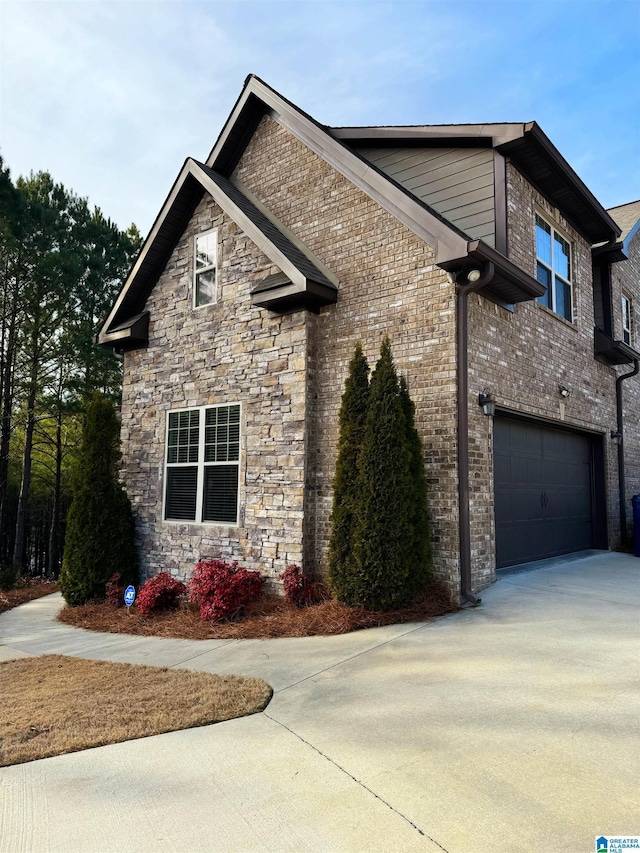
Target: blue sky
[[110, 97]]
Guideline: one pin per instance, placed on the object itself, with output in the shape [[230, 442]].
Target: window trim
[[199, 270], [627, 319], [201, 465], [551, 291]]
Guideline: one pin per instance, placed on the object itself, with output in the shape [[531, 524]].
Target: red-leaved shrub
[[161, 592], [299, 590], [114, 591], [222, 589]]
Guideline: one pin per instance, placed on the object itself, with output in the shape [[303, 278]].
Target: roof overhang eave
[[561, 184], [132, 334], [612, 352], [509, 285], [611, 253]]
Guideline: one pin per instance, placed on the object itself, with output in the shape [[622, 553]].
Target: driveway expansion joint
[[352, 657], [357, 781]]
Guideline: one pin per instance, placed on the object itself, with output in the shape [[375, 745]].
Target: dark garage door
[[543, 491]]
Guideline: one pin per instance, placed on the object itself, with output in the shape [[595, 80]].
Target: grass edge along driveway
[[55, 704]]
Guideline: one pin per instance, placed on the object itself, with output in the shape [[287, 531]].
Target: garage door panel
[[568, 506], [517, 468], [521, 541], [543, 491], [563, 538]]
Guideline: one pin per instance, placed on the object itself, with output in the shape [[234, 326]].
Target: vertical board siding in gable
[[456, 182]]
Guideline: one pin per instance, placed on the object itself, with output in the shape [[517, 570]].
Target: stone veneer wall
[[229, 352], [388, 285], [626, 277], [522, 357]]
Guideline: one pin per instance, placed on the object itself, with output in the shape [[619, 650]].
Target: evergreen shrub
[[161, 592], [222, 590], [346, 486], [8, 577], [100, 538], [379, 553]]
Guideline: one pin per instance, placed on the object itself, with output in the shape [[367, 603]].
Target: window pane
[[180, 501], [543, 240], [544, 277], [220, 501], [563, 299], [561, 255], [206, 287], [626, 320], [206, 250], [182, 438], [222, 434]]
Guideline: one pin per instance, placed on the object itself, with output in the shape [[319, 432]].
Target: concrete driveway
[[511, 727]]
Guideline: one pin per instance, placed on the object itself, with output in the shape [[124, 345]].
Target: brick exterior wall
[[388, 285], [288, 372], [523, 356]]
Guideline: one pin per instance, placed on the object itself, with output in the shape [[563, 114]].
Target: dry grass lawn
[[268, 617], [55, 704]]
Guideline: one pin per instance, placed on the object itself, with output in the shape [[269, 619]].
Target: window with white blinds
[[202, 465]]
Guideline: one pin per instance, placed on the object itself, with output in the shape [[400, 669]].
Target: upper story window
[[204, 273], [202, 465], [626, 319], [553, 268]]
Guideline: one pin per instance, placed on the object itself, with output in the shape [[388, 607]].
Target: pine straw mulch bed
[[53, 704], [267, 618], [35, 588]]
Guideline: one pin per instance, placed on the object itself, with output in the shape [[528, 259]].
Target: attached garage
[[548, 491]]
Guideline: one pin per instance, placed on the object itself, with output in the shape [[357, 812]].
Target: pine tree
[[353, 413], [100, 527], [419, 516]]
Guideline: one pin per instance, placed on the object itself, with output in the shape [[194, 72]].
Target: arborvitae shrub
[[100, 538], [222, 590], [384, 540], [379, 553], [346, 487], [418, 503], [161, 592]]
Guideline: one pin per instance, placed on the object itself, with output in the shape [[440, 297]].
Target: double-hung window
[[202, 465], [626, 319], [553, 268], [204, 273]]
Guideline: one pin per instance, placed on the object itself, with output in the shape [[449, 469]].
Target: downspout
[[620, 426], [462, 295]]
